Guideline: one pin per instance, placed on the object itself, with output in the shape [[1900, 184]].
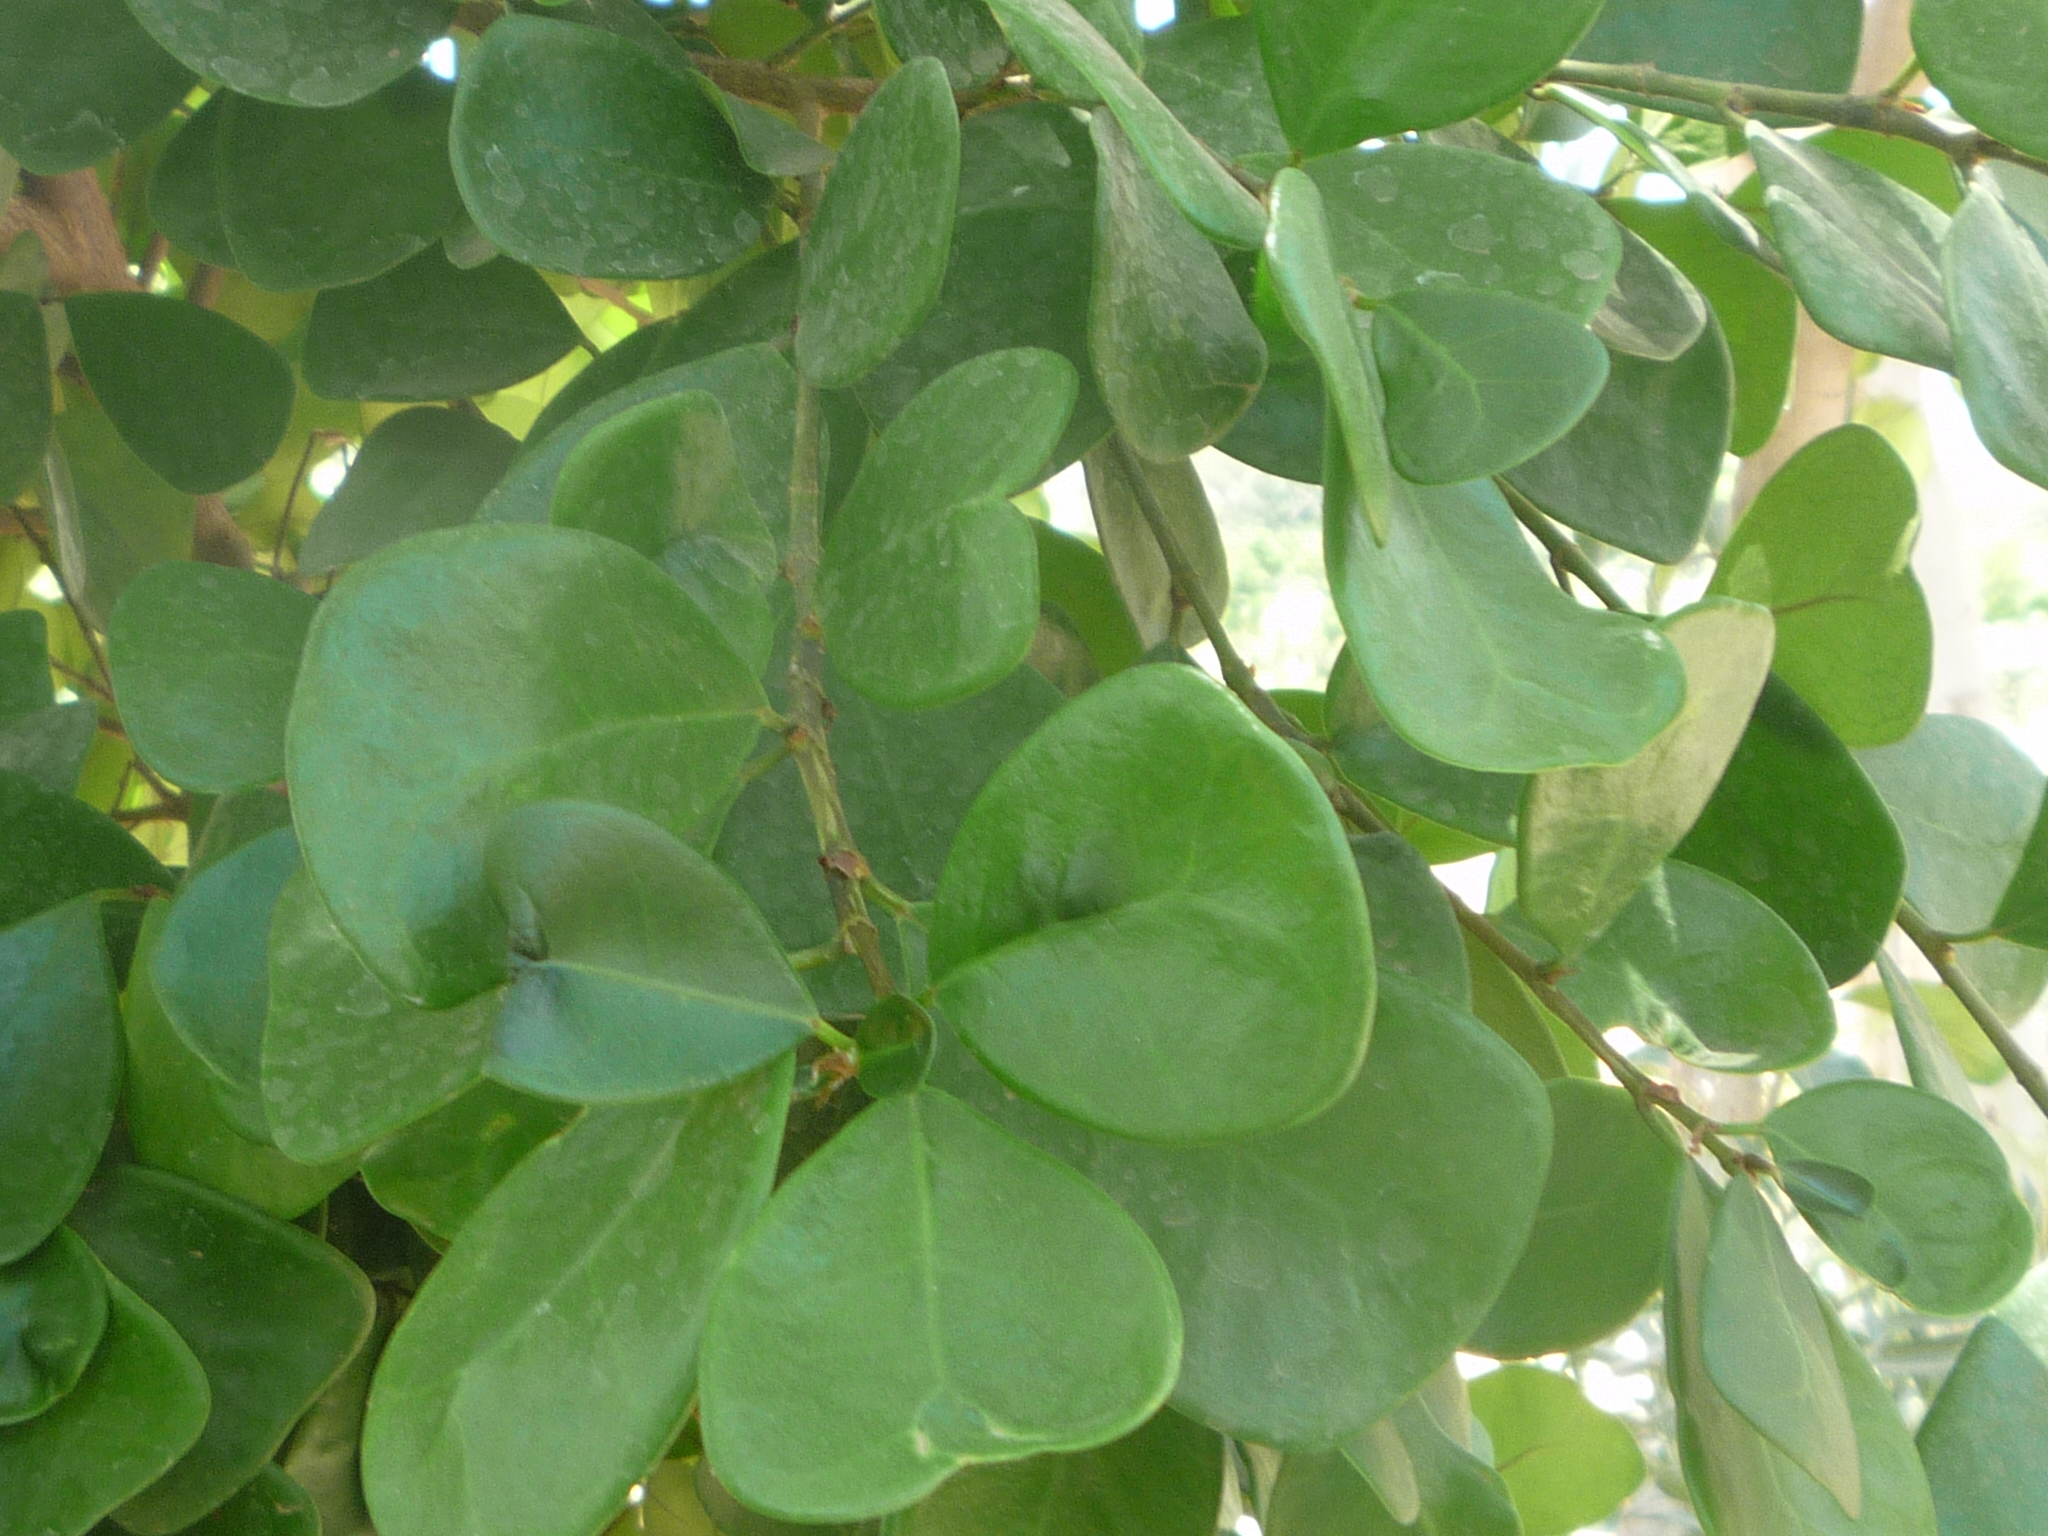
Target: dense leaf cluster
[[689, 963]]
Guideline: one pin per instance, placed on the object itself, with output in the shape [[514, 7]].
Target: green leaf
[[426, 330], [438, 1170], [1565, 1462], [319, 55], [1375, 70], [582, 151], [50, 746], [1826, 547], [111, 513], [54, 847], [1176, 356], [1944, 1228], [955, 1236], [209, 967], [1054, 72], [1506, 1006], [1863, 251], [271, 1504], [1653, 311], [204, 658], [1589, 837], [1454, 1493], [1698, 965], [640, 970], [1077, 588], [318, 198], [1164, 1479], [24, 391], [768, 143], [202, 401], [1640, 469], [1596, 1254], [1477, 382], [662, 478], [875, 254], [2022, 915], [1213, 202], [1795, 822], [323, 1456], [419, 719], [53, 1311], [1211, 77], [139, 1406], [1738, 1479], [78, 79], [1930, 1059], [1470, 650], [344, 1061], [1409, 216], [1982, 1435], [574, 1296], [1997, 282], [272, 1313], [1767, 1348], [1965, 799], [960, 34], [423, 468], [184, 187], [1021, 265], [1756, 309], [1304, 1322], [1793, 44], [1983, 55], [1137, 568], [1092, 906], [927, 590], [1414, 931], [60, 1035], [172, 1108]]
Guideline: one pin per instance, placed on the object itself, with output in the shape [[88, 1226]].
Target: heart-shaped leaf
[[53, 1311]]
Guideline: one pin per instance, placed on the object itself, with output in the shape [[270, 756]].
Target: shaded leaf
[[1653, 311], [53, 1311], [436, 1171], [1137, 567], [1797, 44], [1565, 1462], [423, 468], [317, 55], [1981, 1439], [24, 391]]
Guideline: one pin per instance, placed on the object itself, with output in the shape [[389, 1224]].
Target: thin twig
[[1942, 956], [57, 485], [177, 808], [291, 497], [91, 685], [1564, 549], [615, 296]]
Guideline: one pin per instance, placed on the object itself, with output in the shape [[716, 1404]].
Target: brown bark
[[70, 215]]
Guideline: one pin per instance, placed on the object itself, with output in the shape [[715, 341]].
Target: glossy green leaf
[[1640, 469], [1826, 547], [271, 1312], [24, 391], [1454, 1492], [202, 401], [438, 1170], [114, 516], [184, 186], [1077, 589], [875, 253], [1210, 75], [318, 55], [955, 1235], [573, 1298], [1473, 654], [1596, 1254], [1345, 73], [1863, 251], [270, 1504], [1175, 354], [1737, 1478], [1478, 382], [173, 1108], [138, 1408], [1795, 822], [1653, 311], [1931, 1061], [1118, 480], [614, 687], [1051, 62], [1997, 283], [1981, 1439], [960, 34], [60, 1041], [1414, 931], [1767, 1347], [581, 151], [53, 1311], [54, 847], [209, 967], [1983, 54], [1590, 836], [1089, 902], [1410, 216], [1965, 799], [928, 588], [1325, 1271], [1565, 1462], [1213, 202], [426, 330], [421, 469], [78, 79], [662, 478], [1944, 1228], [1021, 265], [317, 198], [204, 659], [1165, 1479], [1698, 965]]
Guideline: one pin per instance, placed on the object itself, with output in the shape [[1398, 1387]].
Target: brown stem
[[57, 483], [1942, 956], [615, 296], [177, 808]]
